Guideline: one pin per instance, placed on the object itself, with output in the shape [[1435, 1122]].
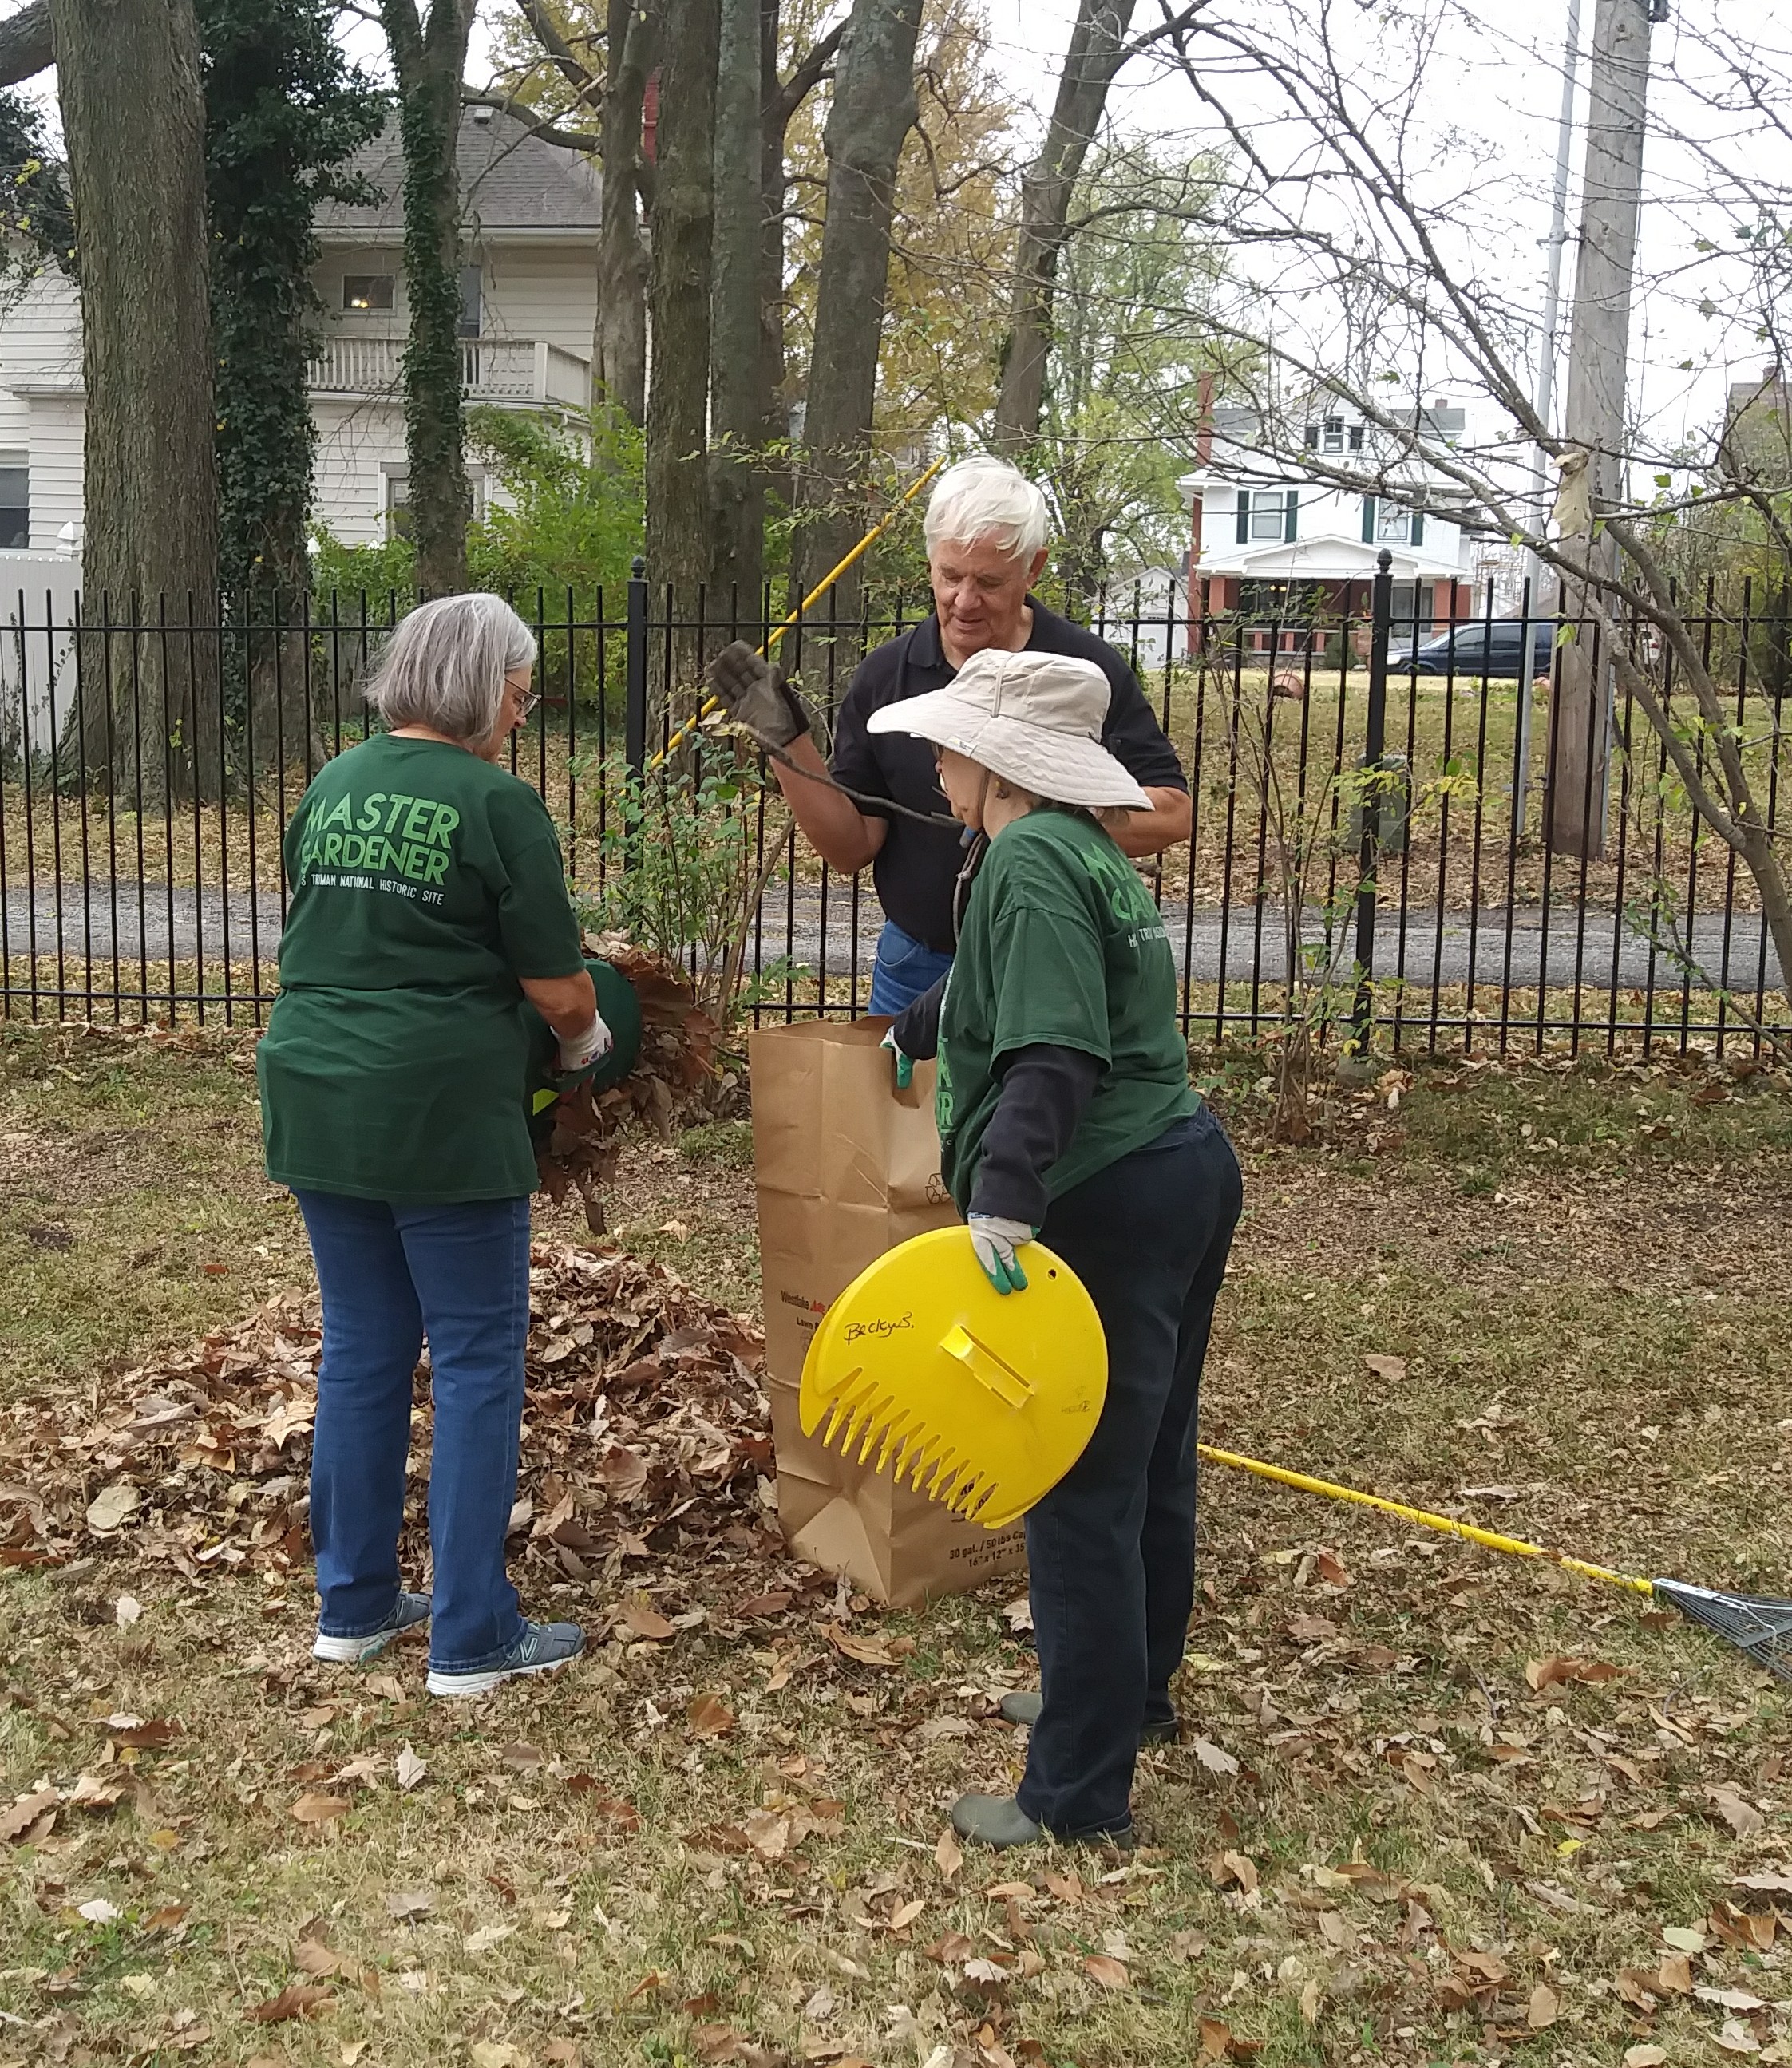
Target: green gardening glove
[[995, 1241], [905, 1064]]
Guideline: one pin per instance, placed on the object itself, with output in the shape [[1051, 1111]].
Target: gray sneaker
[[1024, 1706], [541, 1647], [408, 1611]]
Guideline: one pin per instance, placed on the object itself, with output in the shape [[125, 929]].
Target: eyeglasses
[[526, 701]]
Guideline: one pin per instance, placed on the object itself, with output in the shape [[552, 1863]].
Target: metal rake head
[[1757, 1624]]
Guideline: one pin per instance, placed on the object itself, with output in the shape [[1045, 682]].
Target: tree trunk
[[684, 206], [874, 110], [739, 386], [25, 48], [1097, 51], [134, 123], [429, 59], [619, 348]]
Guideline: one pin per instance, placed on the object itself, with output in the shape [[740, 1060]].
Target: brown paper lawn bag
[[847, 1167]]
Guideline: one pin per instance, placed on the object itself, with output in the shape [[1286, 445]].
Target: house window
[[1356, 438], [472, 283], [398, 519], [367, 291], [1266, 514], [15, 500], [1333, 440], [1393, 525]]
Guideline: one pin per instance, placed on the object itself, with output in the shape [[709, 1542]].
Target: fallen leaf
[[759, 1607], [1543, 2007], [905, 1914], [1332, 1572], [1645, 2057], [1743, 2000], [1736, 2038], [716, 2044], [405, 1904], [1685, 1938], [1238, 1868], [867, 1650], [1215, 1758], [1019, 1616], [410, 1769], [126, 1611], [296, 1999], [17, 1820], [311, 1957], [316, 1808], [165, 1918], [487, 1936], [1674, 1976], [645, 1623], [98, 1911], [1392, 1369], [497, 2053], [768, 1833], [142, 1736], [709, 1717], [521, 1759], [113, 1506], [1107, 1973], [1743, 1818], [1312, 1628], [949, 1856]]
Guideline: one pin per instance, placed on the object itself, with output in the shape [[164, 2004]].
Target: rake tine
[[875, 1425]]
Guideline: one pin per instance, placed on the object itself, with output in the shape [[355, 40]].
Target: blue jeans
[[904, 969], [391, 1274], [1111, 1548]]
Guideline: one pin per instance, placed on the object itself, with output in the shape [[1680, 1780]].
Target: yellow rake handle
[[1515, 1546], [808, 602]]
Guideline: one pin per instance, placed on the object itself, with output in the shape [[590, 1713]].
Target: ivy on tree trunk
[[284, 110], [429, 58]]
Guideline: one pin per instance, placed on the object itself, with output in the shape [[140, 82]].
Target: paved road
[[187, 923]]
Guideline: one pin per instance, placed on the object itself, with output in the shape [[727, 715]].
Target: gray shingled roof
[[510, 179]]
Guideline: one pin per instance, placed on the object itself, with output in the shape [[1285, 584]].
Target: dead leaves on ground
[[643, 1408]]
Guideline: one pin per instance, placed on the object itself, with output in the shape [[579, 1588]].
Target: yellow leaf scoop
[[981, 1400]]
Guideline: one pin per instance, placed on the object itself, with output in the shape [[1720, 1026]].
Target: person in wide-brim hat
[[1065, 1113]]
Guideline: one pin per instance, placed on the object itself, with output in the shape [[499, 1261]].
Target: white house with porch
[[1273, 542], [529, 300]]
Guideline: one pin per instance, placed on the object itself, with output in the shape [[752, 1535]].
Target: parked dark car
[[1492, 649]]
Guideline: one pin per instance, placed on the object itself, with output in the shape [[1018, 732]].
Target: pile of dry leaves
[[676, 1071], [646, 1426]]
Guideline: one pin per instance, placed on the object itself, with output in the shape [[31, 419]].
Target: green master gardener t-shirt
[[1061, 943], [425, 883]]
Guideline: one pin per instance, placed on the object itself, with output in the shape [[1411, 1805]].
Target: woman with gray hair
[[427, 901]]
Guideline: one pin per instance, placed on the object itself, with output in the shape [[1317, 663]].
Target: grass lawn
[[1430, 1806]]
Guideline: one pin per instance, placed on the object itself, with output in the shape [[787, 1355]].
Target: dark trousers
[[1111, 1548], [389, 1274]]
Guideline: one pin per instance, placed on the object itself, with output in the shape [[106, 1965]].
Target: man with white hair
[[987, 531]]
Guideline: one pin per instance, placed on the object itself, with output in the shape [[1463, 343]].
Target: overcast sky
[[1494, 90]]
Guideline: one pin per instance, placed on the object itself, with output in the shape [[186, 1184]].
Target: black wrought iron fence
[[1370, 795]]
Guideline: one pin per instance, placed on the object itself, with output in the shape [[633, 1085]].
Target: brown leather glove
[[759, 696]]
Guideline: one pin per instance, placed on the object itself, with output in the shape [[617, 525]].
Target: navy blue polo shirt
[[917, 866]]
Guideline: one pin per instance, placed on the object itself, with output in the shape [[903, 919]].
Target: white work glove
[[580, 1054], [905, 1064], [995, 1241]]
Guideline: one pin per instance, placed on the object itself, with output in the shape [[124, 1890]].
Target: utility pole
[[1545, 380], [1611, 200]]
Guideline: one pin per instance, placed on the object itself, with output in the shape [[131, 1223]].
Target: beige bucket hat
[[1033, 718]]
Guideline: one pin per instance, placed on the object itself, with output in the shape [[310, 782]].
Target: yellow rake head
[[981, 1400]]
